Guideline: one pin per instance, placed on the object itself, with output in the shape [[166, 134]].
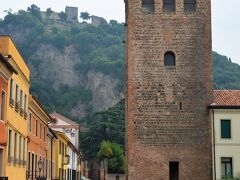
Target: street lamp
[[40, 165]]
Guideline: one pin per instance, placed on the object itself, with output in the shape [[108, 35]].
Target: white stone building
[[226, 134]]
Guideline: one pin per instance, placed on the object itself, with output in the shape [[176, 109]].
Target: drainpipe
[[214, 146]]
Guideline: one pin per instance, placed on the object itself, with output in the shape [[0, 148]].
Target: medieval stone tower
[[169, 87]]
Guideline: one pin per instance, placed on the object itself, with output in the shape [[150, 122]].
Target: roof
[[226, 98], [59, 116], [53, 133], [5, 61]]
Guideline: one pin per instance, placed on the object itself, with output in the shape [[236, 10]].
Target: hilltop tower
[[169, 87]]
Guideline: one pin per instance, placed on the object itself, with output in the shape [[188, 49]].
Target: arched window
[[169, 59], [169, 5], [148, 6], [189, 5]]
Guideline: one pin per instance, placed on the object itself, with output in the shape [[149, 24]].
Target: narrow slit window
[[148, 6], [169, 5], [190, 5], [169, 59]]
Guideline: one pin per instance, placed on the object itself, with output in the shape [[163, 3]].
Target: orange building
[[38, 120], [6, 71]]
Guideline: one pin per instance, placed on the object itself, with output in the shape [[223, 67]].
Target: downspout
[[214, 146]]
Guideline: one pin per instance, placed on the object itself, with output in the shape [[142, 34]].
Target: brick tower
[[169, 86]]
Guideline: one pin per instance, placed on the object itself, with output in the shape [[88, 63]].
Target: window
[[25, 103], [44, 134], [30, 122], [169, 59], [169, 5], [9, 142], [20, 148], [11, 89], [15, 147], [225, 129], [40, 130], [72, 134], [189, 5], [16, 96], [60, 147], [21, 93], [3, 102], [148, 6], [33, 163], [29, 163], [36, 161], [36, 127], [174, 170], [24, 149], [226, 166]]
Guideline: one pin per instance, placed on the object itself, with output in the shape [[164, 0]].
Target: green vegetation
[[100, 49], [84, 15], [106, 125], [226, 73], [115, 155]]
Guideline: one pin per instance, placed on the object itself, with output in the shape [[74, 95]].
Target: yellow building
[[51, 153], [226, 135], [17, 106], [61, 156]]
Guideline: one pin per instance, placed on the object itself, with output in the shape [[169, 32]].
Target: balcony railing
[[17, 106], [25, 115], [21, 111], [3, 178], [11, 102]]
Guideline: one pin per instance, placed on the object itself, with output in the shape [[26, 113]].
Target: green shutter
[[225, 129]]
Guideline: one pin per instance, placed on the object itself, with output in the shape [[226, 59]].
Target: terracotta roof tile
[[226, 98]]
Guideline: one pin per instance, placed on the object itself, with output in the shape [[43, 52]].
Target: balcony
[[11, 102], [21, 111], [10, 159], [25, 115], [3, 178], [17, 106]]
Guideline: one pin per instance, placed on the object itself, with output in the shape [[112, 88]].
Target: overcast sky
[[225, 17]]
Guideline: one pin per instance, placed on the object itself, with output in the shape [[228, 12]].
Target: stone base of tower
[[153, 163]]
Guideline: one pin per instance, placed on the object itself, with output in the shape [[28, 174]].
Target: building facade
[[38, 120], [62, 157], [6, 71], [17, 107], [71, 130], [226, 135], [51, 154], [168, 125]]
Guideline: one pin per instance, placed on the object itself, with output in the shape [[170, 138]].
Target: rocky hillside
[[78, 68]]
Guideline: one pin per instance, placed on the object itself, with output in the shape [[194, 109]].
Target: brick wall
[[167, 115]]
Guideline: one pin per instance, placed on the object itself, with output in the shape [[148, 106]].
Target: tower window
[[190, 5], [169, 59], [169, 5], [148, 6], [174, 170]]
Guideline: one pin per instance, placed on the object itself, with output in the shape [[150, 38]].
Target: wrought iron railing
[[3, 178]]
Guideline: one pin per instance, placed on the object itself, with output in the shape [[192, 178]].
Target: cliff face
[[66, 72]]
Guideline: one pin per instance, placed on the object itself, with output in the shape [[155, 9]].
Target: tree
[[85, 16], [34, 10], [49, 12], [115, 155], [63, 16]]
